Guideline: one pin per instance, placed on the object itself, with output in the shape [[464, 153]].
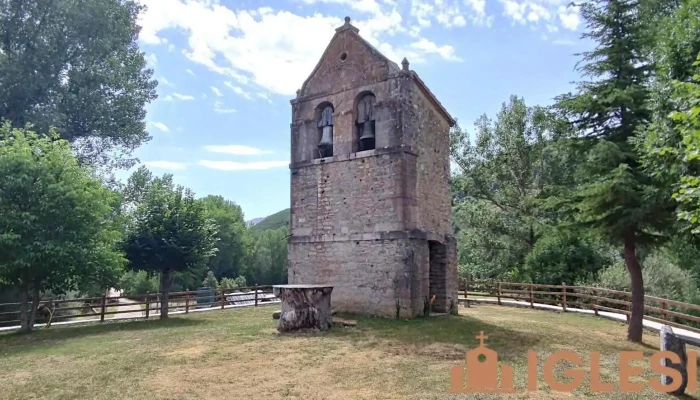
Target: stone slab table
[[304, 307]]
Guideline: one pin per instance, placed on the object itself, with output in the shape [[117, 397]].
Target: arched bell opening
[[324, 123], [364, 123]]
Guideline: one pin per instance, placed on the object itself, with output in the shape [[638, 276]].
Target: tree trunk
[[165, 282], [35, 306], [634, 330], [24, 308]]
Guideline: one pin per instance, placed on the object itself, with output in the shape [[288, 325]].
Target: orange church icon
[[482, 372]]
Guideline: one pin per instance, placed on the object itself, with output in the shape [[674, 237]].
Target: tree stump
[[304, 307]]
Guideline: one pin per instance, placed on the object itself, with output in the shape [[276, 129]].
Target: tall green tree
[[268, 262], [76, 66], [171, 233], [614, 195], [234, 241], [500, 175], [56, 226]]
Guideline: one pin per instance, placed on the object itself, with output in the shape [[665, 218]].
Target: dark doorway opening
[[438, 276]]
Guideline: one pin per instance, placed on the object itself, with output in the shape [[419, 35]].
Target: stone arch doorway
[[438, 275]]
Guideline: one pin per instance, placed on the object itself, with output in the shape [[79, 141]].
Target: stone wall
[[369, 276], [430, 139]]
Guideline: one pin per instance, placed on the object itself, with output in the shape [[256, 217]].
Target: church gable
[[349, 61]]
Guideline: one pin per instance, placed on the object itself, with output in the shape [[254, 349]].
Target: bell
[[325, 146], [367, 138]]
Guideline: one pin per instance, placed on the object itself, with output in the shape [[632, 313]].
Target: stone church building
[[370, 199]]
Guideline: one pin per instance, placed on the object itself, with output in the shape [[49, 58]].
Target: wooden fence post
[[102, 308], [148, 305], [664, 305], [187, 303], [256, 296], [498, 293], [466, 291], [595, 301], [532, 299], [563, 300], [223, 298]]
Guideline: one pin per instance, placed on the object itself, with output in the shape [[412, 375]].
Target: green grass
[[237, 353]]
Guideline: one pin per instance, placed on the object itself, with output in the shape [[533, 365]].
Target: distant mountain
[[254, 221], [275, 221]]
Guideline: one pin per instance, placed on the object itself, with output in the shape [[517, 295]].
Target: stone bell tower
[[370, 199]]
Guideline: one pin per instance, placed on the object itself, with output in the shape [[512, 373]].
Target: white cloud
[[253, 47], [167, 165], [447, 52], [219, 108], [237, 150], [168, 98], [564, 42], [161, 126], [536, 12], [238, 90], [216, 91], [569, 17], [264, 96], [183, 96], [242, 166], [189, 71], [165, 81], [171, 47], [151, 60]]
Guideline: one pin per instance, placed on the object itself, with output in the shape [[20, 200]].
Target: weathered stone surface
[[671, 342], [304, 307], [376, 224]]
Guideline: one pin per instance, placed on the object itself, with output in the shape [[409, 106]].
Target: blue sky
[[227, 70]]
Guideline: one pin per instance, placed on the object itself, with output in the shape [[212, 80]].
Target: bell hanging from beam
[[325, 146], [367, 138]]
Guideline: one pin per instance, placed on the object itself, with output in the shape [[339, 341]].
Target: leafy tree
[[171, 233], [229, 283], [138, 282], [268, 263], [614, 195], [234, 241], [565, 256], [76, 66], [57, 230], [210, 281], [500, 176]]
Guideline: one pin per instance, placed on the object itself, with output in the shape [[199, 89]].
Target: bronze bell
[[367, 138], [325, 146]]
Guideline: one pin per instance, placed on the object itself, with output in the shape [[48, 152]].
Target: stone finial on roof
[[404, 64], [347, 26]]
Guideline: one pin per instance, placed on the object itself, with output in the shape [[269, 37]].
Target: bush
[[662, 278], [564, 257], [210, 281], [138, 282]]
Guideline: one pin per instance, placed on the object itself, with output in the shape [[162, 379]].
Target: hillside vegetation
[[277, 220]]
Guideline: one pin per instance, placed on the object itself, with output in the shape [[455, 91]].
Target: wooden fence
[[664, 311], [142, 306]]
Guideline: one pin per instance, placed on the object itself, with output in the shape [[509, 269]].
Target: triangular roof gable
[[352, 30], [392, 66]]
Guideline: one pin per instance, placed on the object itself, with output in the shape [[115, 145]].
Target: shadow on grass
[[17, 342], [454, 333]]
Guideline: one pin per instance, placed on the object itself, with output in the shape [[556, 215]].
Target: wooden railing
[[142, 306], [657, 309]]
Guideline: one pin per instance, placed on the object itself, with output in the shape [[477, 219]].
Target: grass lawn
[[236, 354]]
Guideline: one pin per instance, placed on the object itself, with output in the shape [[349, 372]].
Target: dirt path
[[127, 305]]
